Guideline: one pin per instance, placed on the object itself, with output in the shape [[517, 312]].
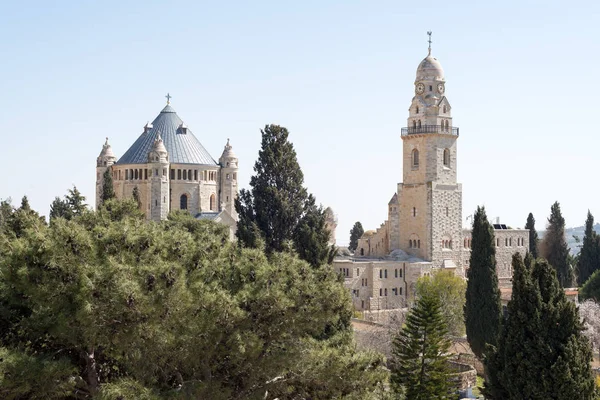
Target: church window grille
[[212, 202], [178, 174], [415, 158], [185, 175], [447, 157], [195, 174]]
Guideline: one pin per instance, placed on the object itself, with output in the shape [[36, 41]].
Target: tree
[[533, 236], [273, 213], [136, 196], [554, 246], [110, 306], [450, 289], [589, 259], [73, 205], [355, 233], [482, 300], [6, 210], [108, 190], [541, 352], [591, 288], [420, 361], [60, 209]]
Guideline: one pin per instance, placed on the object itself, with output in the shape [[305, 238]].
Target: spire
[[429, 41]]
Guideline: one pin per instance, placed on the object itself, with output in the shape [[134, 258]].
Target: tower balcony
[[424, 129]]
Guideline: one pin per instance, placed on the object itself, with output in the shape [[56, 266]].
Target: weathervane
[[429, 41], [168, 96]]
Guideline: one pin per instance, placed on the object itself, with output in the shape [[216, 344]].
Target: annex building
[[172, 170], [424, 230]]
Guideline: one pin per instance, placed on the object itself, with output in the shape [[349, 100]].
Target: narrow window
[[183, 202], [419, 243], [195, 174], [362, 251], [212, 202], [189, 174], [380, 292], [146, 173], [385, 292], [430, 88], [410, 243], [227, 176], [184, 175], [136, 174], [172, 174], [415, 158], [417, 109], [414, 124], [400, 289], [164, 172], [400, 273], [234, 176], [385, 274], [179, 174], [447, 125], [380, 274], [447, 211], [396, 273], [418, 123], [414, 211], [447, 158], [156, 172], [444, 109], [156, 203], [357, 272]]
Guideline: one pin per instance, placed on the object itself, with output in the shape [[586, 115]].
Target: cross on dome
[[429, 41], [168, 96]]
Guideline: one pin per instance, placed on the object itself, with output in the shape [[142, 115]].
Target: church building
[[171, 170], [424, 229]]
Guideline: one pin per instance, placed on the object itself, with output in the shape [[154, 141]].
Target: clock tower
[[430, 198]]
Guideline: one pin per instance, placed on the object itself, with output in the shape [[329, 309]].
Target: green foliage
[[136, 196], [420, 360], [6, 210], [482, 305], [355, 233], [554, 246], [72, 206], [277, 210], [533, 236], [108, 190], [589, 257], [541, 352], [450, 290], [20, 220], [591, 288], [118, 307]]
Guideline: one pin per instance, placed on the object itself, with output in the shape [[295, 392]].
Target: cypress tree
[[420, 364], [108, 190], [482, 307], [533, 236], [355, 233], [136, 196], [277, 210], [541, 352], [588, 261], [554, 246]]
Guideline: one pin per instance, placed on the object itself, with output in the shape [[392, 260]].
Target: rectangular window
[[380, 292], [172, 174], [385, 273], [366, 283], [380, 273], [400, 289], [400, 273], [146, 173], [356, 268], [396, 273], [179, 174], [185, 175], [385, 292], [195, 174]]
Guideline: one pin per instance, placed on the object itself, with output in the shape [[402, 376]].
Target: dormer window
[[183, 129], [147, 127]]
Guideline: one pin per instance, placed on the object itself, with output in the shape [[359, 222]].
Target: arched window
[[415, 158], [418, 123], [447, 124], [447, 158], [362, 251], [414, 124], [212, 202], [183, 200], [189, 174], [410, 243], [136, 174], [185, 175], [444, 109], [417, 109]]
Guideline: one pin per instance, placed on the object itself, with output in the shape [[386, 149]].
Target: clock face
[[440, 87], [420, 88]]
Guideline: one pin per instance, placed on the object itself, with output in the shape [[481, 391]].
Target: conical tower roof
[[183, 147]]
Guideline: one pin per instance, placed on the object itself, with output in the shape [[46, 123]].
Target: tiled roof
[[208, 215], [182, 145]]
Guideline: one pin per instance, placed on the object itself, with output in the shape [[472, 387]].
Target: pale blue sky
[[522, 78]]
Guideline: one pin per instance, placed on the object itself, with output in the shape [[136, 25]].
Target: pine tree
[[482, 307], [420, 361], [554, 247], [588, 261], [533, 236], [76, 201], [108, 190], [541, 352], [274, 211], [355, 233], [60, 209]]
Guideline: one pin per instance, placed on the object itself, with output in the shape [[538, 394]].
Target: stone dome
[[107, 150], [228, 151], [430, 69], [158, 145]]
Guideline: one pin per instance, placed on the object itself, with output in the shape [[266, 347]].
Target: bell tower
[[430, 199]]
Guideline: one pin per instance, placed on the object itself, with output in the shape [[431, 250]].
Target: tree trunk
[[91, 373]]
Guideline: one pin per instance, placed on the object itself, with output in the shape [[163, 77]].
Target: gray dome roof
[[183, 147], [430, 68]]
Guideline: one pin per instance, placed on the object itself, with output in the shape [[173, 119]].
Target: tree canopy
[[554, 246], [277, 213], [108, 190], [420, 361], [355, 233], [533, 236], [589, 258], [71, 206], [541, 352], [107, 305], [482, 303], [450, 289]]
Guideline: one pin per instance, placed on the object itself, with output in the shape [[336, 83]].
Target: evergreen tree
[[108, 190], [554, 246], [591, 288], [25, 204], [60, 209], [6, 210], [274, 212], [533, 236], [355, 233], [541, 352], [482, 307], [76, 201], [420, 361], [588, 261], [136, 196]]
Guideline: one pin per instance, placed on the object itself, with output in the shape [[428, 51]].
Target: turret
[[104, 161], [229, 185], [158, 164]]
